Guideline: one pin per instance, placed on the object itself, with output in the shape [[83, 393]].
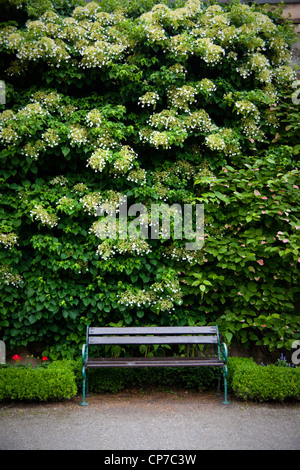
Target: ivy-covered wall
[[180, 103]]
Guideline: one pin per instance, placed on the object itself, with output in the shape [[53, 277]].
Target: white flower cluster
[[49, 100], [33, 150], [174, 129], [247, 108], [61, 180], [105, 228], [206, 86], [67, 110], [8, 278], [250, 118], [112, 198], [220, 21], [79, 187], [166, 119], [8, 239], [285, 74], [258, 62], [259, 65], [152, 28], [271, 119], [182, 97], [161, 295], [199, 120], [8, 136], [99, 159], [180, 45], [161, 192], [96, 55], [148, 99], [109, 248], [183, 168], [156, 139], [51, 137], [215, 142], [41, 214], [93, 11], [280, 49], [232, 144], [250, 128], [94, 118], [30, 111], [6, 115], [244, 71], [211, 53], [155, 33], [181, 254], [124, 161], [137, 176], [53, 50], [105, 140], [178, 69], [14, 40], [78, 135], [226, 37], [224, 141], [136, 298], [91, 202]]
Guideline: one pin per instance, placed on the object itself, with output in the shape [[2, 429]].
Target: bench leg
[[219, 383], [84, 383], [225, 374]]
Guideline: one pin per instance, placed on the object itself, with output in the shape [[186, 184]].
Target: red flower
[[16, 357], [44, 358]]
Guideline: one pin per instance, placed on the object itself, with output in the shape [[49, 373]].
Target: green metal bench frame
[[208, 335]]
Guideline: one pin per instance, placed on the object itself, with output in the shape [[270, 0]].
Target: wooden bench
[[198, 335]]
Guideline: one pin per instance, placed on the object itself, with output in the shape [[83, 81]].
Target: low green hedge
[[234, 364], [246, 379], [116, 379], [55, 382], [62, 379], [251, 381]]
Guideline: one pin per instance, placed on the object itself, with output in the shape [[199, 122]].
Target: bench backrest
[[153, 335]]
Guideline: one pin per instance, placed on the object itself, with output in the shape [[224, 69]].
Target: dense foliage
[[183, 103]]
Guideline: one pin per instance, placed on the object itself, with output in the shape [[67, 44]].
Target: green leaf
[[228, 336], [65, 151]]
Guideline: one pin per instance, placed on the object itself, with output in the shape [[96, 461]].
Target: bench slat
[[152, 330], [155, 362], [153, 340]]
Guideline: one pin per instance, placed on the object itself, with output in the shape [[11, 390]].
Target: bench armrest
[[84, 353], [224, 352]]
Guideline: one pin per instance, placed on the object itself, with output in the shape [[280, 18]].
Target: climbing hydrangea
[[147, 104]]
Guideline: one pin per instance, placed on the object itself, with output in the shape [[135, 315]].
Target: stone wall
[[292, 11]]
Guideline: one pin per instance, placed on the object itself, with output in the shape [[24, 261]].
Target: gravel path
[[150, 421]]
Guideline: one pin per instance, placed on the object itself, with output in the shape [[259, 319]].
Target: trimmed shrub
[[266, 383], [39, 384], [116, 379], [234, 363]]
